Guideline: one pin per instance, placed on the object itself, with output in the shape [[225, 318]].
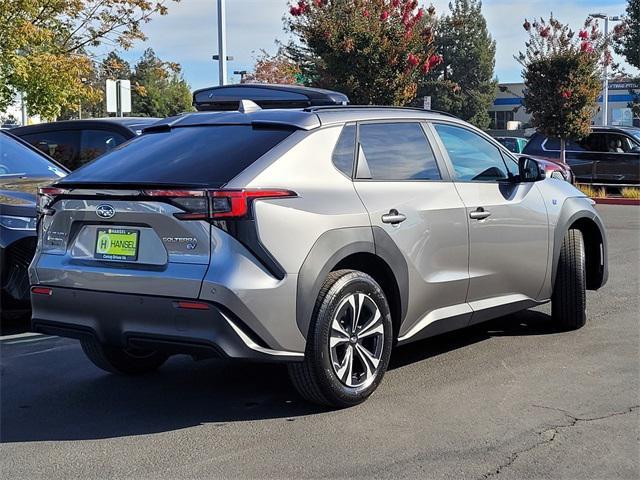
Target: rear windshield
[[199, 155]]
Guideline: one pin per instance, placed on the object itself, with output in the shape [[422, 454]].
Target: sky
[[188, 34]]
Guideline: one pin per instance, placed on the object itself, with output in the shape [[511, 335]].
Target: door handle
[[393, 217], [479, 214]]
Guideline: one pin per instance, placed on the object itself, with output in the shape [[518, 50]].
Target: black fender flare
[[332, 247]]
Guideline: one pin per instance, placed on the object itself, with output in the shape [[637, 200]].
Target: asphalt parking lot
[[509, 399]]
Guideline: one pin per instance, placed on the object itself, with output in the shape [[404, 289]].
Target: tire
[[121, 360], [328, 376], [568, 301]]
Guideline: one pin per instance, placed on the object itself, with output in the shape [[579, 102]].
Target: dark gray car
[[22, 171], [319, 237]]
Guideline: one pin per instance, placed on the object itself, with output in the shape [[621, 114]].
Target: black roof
[[226, 97], [129, 123]]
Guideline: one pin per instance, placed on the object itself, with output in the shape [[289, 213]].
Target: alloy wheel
[[356, 340]]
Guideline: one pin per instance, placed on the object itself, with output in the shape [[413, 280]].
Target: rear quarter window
[[196, 155]]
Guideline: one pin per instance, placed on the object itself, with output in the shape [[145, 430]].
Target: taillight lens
[[216, 204], [46, 196], [236, 203]]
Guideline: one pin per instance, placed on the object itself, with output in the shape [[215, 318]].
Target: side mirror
[[530, 170]]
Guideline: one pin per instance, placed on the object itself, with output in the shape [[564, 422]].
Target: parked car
[[513, 144], [22, 170], [608, 156], [554, 169], [320, 237], [76, 142]]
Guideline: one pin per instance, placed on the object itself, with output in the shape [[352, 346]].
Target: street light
[[222, 43], [605, 88], [242, 73]]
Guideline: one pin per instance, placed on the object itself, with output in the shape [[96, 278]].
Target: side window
[[343, 153], [473, 157], [61, 145], [96, 142], [397, 151], [617, 143]]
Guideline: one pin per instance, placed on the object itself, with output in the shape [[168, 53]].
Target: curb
[[617, 201]]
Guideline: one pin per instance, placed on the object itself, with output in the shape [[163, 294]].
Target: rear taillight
[[216, 204], [46, 196]]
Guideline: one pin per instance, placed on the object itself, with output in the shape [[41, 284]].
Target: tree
[[276, 68], [45, 46], [626, 35], [375, 51], [464, 84], [626, 41], [158, 89], [562, 74]]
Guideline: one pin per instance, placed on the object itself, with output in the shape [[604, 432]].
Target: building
[[507, 107]]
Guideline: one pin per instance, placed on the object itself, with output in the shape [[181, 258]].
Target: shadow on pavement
[[56, 394]]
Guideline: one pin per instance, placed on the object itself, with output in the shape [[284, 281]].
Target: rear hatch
[[138, 219]]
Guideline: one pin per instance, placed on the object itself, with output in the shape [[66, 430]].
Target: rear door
[[508, 226], [410, 199]]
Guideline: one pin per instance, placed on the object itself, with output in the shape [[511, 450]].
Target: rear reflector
[[192, 305], [41, 291]]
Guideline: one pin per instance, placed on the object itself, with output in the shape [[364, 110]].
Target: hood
[[18, 195]]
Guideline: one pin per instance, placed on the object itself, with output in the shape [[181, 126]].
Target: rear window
[[200, 155]]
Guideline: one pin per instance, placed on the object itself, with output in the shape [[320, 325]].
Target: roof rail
[[386, 107]]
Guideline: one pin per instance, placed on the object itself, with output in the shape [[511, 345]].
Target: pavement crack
[[548, 435]]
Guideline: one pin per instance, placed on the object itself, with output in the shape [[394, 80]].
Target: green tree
[[158, 89], [375, 51], [626, 35], [45, 46], [562, 75], [464, 83]]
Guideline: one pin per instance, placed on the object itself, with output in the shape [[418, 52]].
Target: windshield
[[17, 160], [635, 134]]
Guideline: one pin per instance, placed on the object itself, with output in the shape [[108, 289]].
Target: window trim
[[504, 152], [440, 165]]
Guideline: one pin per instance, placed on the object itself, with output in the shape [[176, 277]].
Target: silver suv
[[321, 237]]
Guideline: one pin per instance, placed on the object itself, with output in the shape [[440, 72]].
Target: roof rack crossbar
[[387, 107]]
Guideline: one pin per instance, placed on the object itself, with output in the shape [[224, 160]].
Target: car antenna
[[247, 106]]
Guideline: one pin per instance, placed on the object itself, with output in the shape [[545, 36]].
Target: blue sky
[[188, 34]]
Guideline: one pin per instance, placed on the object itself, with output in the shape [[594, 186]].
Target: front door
[[411, 201], [508, 226]]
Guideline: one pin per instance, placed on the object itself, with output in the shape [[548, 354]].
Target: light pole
[[222, 43], [605, 86]]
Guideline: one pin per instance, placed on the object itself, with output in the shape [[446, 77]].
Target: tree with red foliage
[[562, 73], [375, 51]]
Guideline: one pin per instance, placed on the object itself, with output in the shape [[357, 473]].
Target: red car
[[558, 170]]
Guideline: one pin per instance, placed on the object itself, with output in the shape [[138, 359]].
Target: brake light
[[215, 204], [46, 196], [235, 203]]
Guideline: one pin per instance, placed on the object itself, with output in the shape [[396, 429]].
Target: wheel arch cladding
[[367, 249], [578, 213]]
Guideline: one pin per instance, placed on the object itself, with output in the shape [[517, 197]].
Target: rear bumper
[[158, 323]]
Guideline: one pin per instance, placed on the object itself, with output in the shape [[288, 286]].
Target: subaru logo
[[105, 211]]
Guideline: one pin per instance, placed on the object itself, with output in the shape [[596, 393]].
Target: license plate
[[117, 244]]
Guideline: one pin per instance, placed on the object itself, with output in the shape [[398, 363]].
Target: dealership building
[[508, 106]]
